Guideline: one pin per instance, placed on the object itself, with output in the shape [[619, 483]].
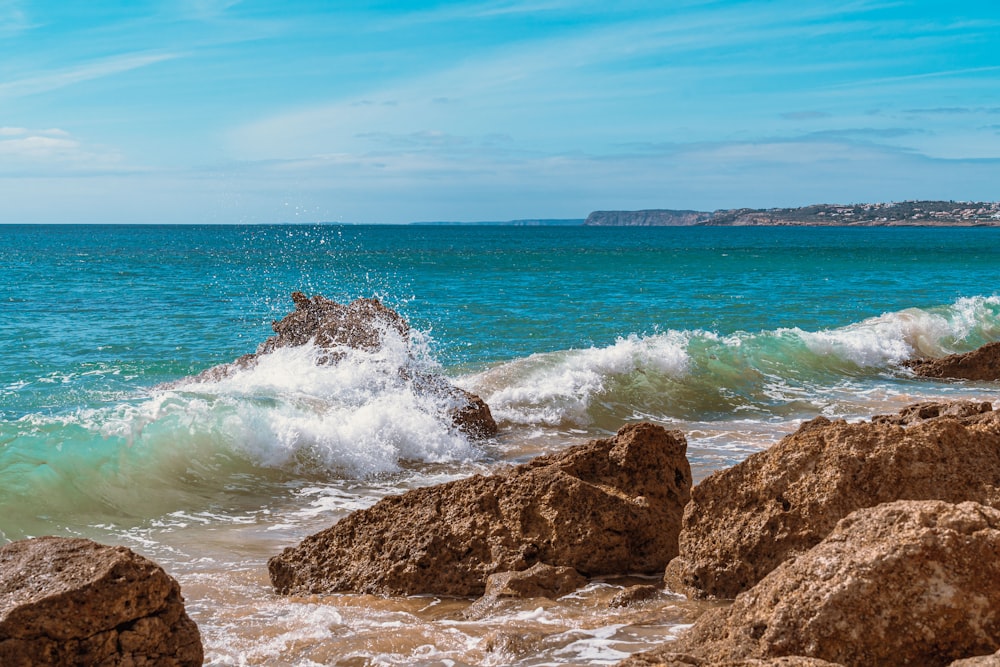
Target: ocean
[[733, 335]]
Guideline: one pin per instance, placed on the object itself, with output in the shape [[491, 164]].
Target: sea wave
[[286, 417], [288, 422], [705, 375]]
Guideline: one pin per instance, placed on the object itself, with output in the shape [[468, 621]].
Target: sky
[[257, 111]]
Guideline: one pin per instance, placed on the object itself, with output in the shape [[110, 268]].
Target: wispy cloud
[[55, 79], [937, 74], [13, 18]]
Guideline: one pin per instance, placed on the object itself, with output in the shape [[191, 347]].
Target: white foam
[[892, 338], [360, 415]]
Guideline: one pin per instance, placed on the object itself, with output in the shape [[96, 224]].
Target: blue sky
[[227, 111]]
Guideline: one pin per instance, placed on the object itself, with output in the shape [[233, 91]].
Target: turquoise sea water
[[731, 334]]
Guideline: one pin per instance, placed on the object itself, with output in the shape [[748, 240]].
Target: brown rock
[[633, 595], [611, 506], [991, 660], [687, 660], [919, 412], [363, 325], [904, 583], [538, 581], [506, 647], [75, 602], [981, 364], [744, 521]]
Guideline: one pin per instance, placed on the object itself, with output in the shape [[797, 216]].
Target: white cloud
[[23, 151]]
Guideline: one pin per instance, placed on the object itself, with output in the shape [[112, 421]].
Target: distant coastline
[[892, 214], [924, 213]]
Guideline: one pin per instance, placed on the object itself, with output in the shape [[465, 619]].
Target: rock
[[909, 582], [361, 325], [687, 660], [538, 581], [634, 594], [744, 521], [70, 601], [505, 647], [919, 412], [611, 506], [991, 660], [981, 364]]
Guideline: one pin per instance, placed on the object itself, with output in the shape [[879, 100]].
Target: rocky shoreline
[[871, 542], [880, 214]]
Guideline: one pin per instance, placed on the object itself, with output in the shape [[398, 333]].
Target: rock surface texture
[[992, 660], [538, 581], [904, 583], [75, 602], [610, 506], [687, 660], [980, 364], [745, 521], [364, 325]]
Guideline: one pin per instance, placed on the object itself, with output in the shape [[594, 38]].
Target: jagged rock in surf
[[919, 412], [67, 601], [982, 364], [744, 521], [634, 594], [611, 506], [363, 325], [538, 581], [904, 583]]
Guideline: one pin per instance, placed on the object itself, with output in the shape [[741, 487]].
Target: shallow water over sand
[[219, 555]]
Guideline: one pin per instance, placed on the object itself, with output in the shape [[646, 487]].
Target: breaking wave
[[284, 418], [703, 375], [287, 421]]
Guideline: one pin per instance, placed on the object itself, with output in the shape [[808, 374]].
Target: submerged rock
[[634, 594], [610, 506], [744, 521], [981, 364], [538, 581], [363, 325], [904, 583], [75, 602]]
